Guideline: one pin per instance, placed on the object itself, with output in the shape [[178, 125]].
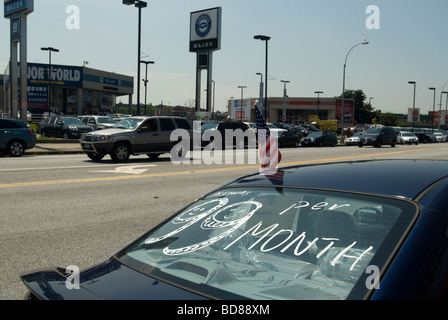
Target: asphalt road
[[61, 210]]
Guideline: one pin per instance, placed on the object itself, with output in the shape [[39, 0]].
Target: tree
[[364, 113]]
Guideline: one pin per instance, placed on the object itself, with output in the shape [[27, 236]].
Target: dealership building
[[71, 90], [297, 110]]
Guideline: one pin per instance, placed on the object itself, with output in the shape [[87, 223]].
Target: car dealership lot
[[63, 210]]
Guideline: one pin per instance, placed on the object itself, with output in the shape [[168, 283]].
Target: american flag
[[269, 154]]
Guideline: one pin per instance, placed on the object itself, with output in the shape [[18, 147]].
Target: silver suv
[[134, 136]]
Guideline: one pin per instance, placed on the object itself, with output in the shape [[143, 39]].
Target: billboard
[[18, 6], [205, 30]]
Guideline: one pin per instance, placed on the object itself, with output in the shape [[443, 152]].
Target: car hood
[[111, 131], [108, 281]]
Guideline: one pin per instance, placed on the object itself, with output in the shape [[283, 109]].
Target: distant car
[[379, 136], [309, 232], [425, 137], [239, 134], [319, 139], [28, 115], [353, 140], [407, 137], [15, 137], [98, 122], [439, 136], [297, 130], [134, 136], [63, 127], [288, 139]]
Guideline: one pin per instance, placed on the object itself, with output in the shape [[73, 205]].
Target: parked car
[[425, 137], [15, 137], [297, 130], [98, 122], [63, 127], [378, 136], [134, 136], [297, 234], [319, 139], [288, 139], [439, 137], [406, 137], [353, 140], [243, 136]]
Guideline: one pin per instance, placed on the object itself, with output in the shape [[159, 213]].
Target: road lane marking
[[129, 169], [191, 172]]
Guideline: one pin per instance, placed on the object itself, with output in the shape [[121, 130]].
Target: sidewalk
[[44, 147]]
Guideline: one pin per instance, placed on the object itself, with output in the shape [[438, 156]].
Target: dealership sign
[[205, 30], [67, 76], [18, 6]]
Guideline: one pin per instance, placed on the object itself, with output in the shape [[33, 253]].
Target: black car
[[308, 232], [288, 139], [319, 139], [63, 127], [297, 130], [425, 137], [378, 136], [15, 137], [230, 133]]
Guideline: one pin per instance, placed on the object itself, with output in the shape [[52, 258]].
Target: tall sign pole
[[17, 11], [205, 38]]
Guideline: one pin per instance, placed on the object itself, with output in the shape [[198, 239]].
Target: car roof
[[402, 178]]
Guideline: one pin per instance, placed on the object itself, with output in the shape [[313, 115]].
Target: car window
[[166, 124], [6, 124], [150, 125], [182, 123], [275, 243]]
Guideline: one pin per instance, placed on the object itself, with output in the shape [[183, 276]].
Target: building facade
[[297, 110], [70, 90]]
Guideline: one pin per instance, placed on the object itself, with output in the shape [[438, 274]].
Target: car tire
[[65, 135], [377, 145], [16, 148], [95, 156], [120, 152], [359, 145], [43, 133], [296, 144], [392, 144]]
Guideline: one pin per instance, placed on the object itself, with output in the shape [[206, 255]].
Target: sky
[[310, 40]]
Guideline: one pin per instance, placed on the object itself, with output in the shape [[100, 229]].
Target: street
[[61, 210]]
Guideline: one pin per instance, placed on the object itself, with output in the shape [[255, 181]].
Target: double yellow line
[[188, 172]]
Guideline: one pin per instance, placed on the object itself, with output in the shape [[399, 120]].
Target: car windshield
[[106, 120], [73, 121], [373, 131], [407, 134], [128, 123], [315, 134], [208, 126], [274, 243]]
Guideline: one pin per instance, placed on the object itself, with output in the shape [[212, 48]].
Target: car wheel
[[95, 156], [120, 152], [16, 148], [43, 133], [65, 135], [359, 145], [393, 144], [296, 144], [378, 144]]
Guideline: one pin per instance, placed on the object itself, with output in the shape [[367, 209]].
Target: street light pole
[[343, 89], [241, 103], [433, 107], [146, 78], [440, 105], [138, 4], [284, 99], [50, 73], [261, 92], [266, 107], [413, 106], [318, 103]]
